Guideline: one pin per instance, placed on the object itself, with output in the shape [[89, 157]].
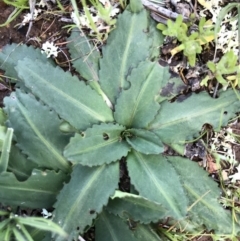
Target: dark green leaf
[[130, 43], [98, 145], [37, 131], [203, 193], [155, 179], [181, 121], [6, 148], [137, 107], [145, 141], [137, 208], [42, 224], [64, 93], [112, 228], [145, 232], [19, 164], [84, 197], [39, 191]]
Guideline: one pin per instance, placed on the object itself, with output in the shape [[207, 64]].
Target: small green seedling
[[190, 43], [226, 66], [19, 5]]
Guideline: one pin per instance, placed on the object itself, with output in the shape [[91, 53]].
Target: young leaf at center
[[145, 141]]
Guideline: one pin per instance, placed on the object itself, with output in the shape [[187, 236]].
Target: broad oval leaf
[[38, 191], [145, 141], [181, 121], [64, 93], [136, 107], [155, 179], [85, 56], [37, 131], [131, 43], [84, 196], [98, 145], [135, 207]]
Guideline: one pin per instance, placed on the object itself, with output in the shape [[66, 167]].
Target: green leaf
[[137, 208], [145, 141], [37, 131], [157, 39], [135, 6], [64, 93], [137, 107], [112, 228], [180, 121], [37, 234], [3, 116], [10, 55], [85, 56], [96, 145], [39, 191], [155, 179], [18, 235], [24, 231], [145, 232], [125, 42], [203, 193], [6, 147], [42, 224], [19, 164], [84, 196], [3, 131]]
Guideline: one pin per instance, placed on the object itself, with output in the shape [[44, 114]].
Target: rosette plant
[[71, 133]]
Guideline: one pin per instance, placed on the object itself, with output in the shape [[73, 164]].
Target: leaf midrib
[[27, 189], [184, 119], [140, 94], [125, 54], [95, 147], [109, 226], [48, 145], [88, 63], [78, 204], [155, 181], [68, 98]]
